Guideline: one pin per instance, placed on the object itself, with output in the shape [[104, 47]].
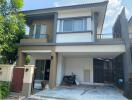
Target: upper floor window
[[74, 25], [38, 30]]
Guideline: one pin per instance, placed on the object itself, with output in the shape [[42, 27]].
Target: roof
[[54, 9]]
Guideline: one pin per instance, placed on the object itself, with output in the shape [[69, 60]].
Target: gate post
[[27, 80]]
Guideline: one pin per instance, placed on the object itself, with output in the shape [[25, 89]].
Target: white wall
[[74, 13], [6, 72], [74, 37], [77, 66], [91, 48], [39, 56]]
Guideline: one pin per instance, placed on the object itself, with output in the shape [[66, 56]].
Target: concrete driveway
[[81, 93]]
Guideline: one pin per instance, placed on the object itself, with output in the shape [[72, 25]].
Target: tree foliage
[[12, 28]]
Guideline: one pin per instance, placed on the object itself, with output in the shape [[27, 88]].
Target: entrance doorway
[[42, 72]]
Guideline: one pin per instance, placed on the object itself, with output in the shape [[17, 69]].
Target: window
[[74, 25], [67, 25], [39, 31]]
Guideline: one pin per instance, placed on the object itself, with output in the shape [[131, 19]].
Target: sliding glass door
[[42, 70]]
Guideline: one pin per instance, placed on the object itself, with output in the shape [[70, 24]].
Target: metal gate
[[17, 80], [98, 71], [103, 71]]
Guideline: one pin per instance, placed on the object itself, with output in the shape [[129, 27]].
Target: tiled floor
[[81, 93]]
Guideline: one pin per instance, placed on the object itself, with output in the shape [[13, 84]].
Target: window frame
[[35, 31], [88, 19]]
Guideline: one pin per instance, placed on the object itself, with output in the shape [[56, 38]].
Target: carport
[[82, 92]]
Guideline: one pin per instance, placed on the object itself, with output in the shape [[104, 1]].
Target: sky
[[113, 9]]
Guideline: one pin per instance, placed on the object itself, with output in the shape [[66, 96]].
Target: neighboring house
[[69, 39]]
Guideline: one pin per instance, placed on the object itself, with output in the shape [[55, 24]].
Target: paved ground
[[14, 96], [80, 93]]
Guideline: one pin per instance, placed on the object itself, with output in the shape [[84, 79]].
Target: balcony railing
[[108, 36], [36, 36], [104, 36], [31, 39]]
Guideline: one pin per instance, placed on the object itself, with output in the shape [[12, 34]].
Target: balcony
[[109, 38], [31, 39], [104, 36]]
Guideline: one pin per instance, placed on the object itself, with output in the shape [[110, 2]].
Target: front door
[[42, 69], [41, 73]]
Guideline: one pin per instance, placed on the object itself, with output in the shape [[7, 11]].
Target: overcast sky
[[114, 8]]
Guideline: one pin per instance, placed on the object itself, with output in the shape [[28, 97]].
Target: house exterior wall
[[28, 41], [6, 73], [74, 13], [74, 37], [91, 48], [39, 56], [78, 65]]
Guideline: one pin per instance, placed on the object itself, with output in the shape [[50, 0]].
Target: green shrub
[[4, 89], [28, 59]]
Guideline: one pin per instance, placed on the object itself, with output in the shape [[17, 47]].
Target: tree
[[12, 28]]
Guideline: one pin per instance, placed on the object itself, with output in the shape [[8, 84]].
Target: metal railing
[[36, 36], [104, 36], [108, 36]]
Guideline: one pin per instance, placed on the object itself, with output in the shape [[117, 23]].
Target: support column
[[21, 58], [94, 25], [53, 70], [60, 69]]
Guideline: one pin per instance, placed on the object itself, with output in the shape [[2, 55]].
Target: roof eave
[[54, 9]]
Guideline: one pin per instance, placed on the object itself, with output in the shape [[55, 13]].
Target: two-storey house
[[69, 39]]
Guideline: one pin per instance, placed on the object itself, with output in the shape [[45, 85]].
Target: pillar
[[28, 80], [53, 70], [21, 58]]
